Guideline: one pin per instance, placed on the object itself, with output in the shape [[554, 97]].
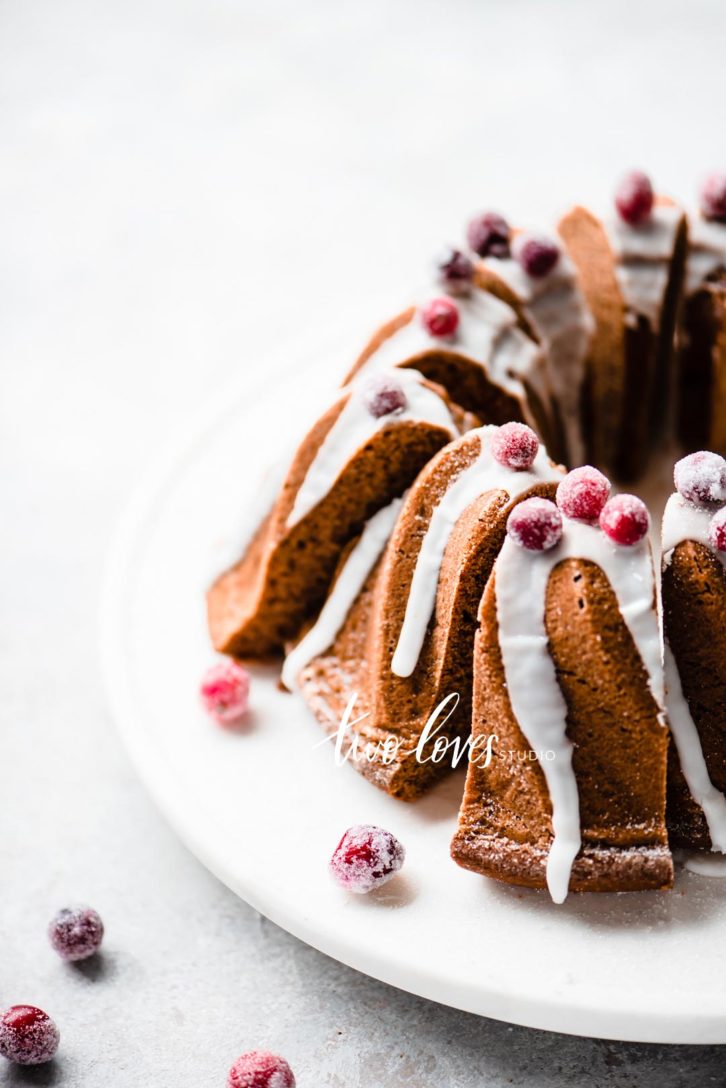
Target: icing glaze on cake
[[643, 255], [706, 251]]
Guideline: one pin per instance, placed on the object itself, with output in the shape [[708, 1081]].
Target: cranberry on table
[[583, 493], [625, 519], [440, 317], [634, 198], [454, 270], [535, 524], [713, 197], [514, 445], [28, 1036], [382, 395], [701, 477], [76, 933], [260, 1069], [488, 235], [225, 692], [537, 256], [366, 857], [717, 531]]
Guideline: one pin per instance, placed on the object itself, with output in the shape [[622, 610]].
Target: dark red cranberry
[[454, 270], [28, 1036], [625, 519], [260, 1069], [537, 256], [535, 524], [76, 934], [701, 478], [583, 493], [717, 530], [383, 394], [440, 317], [366, 857], [713, 197], [488, 235], [514, 445], [634, 198]]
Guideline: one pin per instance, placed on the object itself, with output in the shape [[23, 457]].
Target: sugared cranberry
[[488, 235], [537, 256], [717, 530], [713, 197], [625, 519], [76, 934], [514, 445], [634, 197], [28, 1036], [366, 857], [454, 270], [440, 317], [260, 1069], [583, 493], [701, 478], [535, 524], [225, 692], [383, 394]]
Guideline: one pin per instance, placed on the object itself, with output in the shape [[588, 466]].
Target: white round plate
[[264, 808]]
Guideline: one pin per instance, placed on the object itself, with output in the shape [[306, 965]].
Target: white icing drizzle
[[534, 692], [350, 581], [355, 426], [643, 255], [684, 521], [706, 251], [555, 307], [705, 864], [485, 474]]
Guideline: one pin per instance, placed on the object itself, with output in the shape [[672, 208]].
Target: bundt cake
[[389, 655], [694, 619]]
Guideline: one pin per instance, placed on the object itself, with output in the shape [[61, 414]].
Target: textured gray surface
[[160, 162]]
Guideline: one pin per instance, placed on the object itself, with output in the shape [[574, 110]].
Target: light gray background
[[181, 185]]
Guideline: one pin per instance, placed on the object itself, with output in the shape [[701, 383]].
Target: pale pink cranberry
[[625, 519], [28, 1036], [225, 692], [514, 445], [454, 270], [713, 197], [537, 256], [488, 235], [535, 524], [260, 1069], [440, 317], [383, 395], [634, 198], [76, 933], [717, 530], [583, 493], [701, 478], [366, 857]]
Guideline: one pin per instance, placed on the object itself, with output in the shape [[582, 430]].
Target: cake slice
[[363, 452], [630, 265], [391, 652], [694, 619], [568, 682]]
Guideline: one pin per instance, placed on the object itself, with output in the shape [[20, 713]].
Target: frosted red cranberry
[[717, 530], [440, 317], [76, 933], [713, 197], [537, 256], [535, 524], [383, 395], [583, 493], [366, 857], [260, 1069], [634, 197], [514, 445], [701, 477], [28, 1036], [455, 270], [625, 519], [488, 235], [225, 692]]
